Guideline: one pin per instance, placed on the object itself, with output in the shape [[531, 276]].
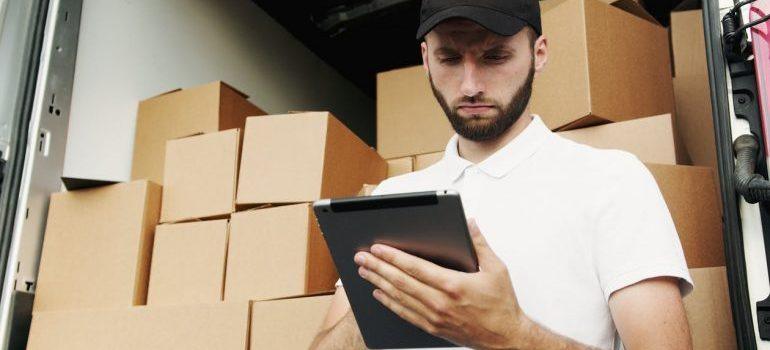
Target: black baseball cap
[[504, 17]]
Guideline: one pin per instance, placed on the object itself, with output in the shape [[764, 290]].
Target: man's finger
[[404, 312], [421, 269], [399, 279], [397, 295], [487, 258]]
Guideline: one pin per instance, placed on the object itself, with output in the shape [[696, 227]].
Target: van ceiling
[[360, 38]]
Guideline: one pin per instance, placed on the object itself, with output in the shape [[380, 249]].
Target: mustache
[[475, 100]]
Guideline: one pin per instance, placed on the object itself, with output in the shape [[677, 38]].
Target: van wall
[[131, 50]]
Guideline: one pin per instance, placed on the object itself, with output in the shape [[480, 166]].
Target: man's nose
[[472, 84]]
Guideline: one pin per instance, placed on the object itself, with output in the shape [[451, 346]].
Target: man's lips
[[475, 109]]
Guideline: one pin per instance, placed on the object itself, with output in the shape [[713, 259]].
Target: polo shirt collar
[[505, 159]]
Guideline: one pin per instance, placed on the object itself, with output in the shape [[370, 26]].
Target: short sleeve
[[635, 237]]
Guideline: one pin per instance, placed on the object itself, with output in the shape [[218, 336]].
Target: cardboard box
[[691, 87], [277, 252], [604, 65], [183, 112], [366, 190], [189, 327], [409, 119], [692, 198], [200, 176], [422, 161], [652, 139], [632, 6], [287, 323], [97, 247], [400, 166], [708, 310], [302, 158], [188, 263]]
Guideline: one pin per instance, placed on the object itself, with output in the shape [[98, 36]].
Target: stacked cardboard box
[[218, 262], [610, 72]]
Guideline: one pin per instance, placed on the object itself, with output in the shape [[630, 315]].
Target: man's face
[[482, 80]]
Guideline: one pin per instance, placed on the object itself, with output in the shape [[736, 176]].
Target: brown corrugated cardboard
[[652, 139], [692, 198], [632, 6], [97, 247], [277, 252], [399, 166], [206, 108], [188, 263], [189, 327], [304, 157], [708, 310], [422, 161], [287, 323], [409, 119], [604, 64], [691, 87], [200, 176]]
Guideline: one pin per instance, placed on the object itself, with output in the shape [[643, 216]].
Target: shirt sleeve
[[635, 238]]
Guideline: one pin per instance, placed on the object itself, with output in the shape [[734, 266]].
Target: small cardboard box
[[651, 139], [409, 119], [304, 157], [604, 65], [287, 323], [183, 112], [200, 176], [691, 87], [691, 195], [422, 161], [708, 310], [399, 166], [277, 252], [188, 263], [188, 327], [97, 247]]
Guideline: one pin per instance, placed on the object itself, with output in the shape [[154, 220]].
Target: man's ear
[[424, 52], [540, 50]]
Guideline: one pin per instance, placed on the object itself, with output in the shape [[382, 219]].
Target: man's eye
[[451, 59], [496, 57]]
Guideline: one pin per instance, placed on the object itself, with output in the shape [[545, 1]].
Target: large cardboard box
[[708, 310], [304, 157], [422, 161], [178, 113], [96, 252], [188, 263], [287, 323], [400, 166], [409, 119], [604, 64], [188, 327], [651, 139], [691, 195], [691, 87], [277, 252], [200, 177]]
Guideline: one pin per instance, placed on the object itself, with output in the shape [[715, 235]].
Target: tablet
[[430, 225]]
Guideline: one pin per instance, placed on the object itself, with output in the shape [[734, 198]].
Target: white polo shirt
[[572, 223]]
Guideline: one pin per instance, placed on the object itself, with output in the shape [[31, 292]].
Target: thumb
[[487, 257]]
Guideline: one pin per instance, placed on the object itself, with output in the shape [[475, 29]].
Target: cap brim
[[495, 21]]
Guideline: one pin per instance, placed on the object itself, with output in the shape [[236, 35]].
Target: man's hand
[[477, 310]]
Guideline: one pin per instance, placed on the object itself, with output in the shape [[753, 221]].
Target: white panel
[[131, 50]]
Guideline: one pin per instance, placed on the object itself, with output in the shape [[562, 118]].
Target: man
[[574, 243]]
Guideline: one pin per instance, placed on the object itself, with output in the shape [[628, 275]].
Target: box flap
[[239, 92]]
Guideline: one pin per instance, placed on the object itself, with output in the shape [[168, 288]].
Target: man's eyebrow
[[445, 51], [499, 47]]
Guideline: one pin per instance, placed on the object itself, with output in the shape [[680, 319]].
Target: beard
[[478, 128]]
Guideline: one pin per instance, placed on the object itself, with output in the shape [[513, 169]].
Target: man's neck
[[477, 151]]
